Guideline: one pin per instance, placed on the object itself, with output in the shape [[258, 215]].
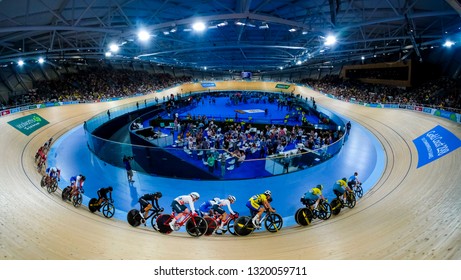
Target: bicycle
[[229, 223], [134, 217], [214, 223], [75, 199], [107, 206], [50, 183], [358, 190], [196, 226], [304, 216], [337, 204], [273, 222]]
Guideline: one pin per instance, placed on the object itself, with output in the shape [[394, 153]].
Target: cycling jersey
[[53, 172], [258, 199], [102, 192], [225, 202], [186, 199], [313, 194], [206, 207]]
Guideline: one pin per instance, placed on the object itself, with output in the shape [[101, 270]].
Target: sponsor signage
[[445, 114], [28, 124], [5, 112], [282, 86], [418, 108], [205, 85], [427, 110], [435, 144]]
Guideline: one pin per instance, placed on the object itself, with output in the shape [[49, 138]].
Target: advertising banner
[[282, 86], [205, 85], [28, 124], [435, 144], [445, 114]]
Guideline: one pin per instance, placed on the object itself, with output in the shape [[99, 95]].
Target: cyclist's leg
[[180, 210], [146, 210]]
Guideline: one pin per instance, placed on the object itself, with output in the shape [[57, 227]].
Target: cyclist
[[181, 209], [353, 181], [313, 196], [102, 194], [53, 173], [257, 204], [76, 183], [217, 208], [340, 188], [147, 202], [42, 160]]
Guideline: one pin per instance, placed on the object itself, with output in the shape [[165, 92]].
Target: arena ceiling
[[250, 35]]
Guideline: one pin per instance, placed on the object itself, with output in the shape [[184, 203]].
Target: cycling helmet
[[344, 179], [110, 188], [158, 194], [320, 187], [231, 198], [268, 192], [195, 195]]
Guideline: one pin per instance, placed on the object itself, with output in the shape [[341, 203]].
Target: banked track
[[410, 213]]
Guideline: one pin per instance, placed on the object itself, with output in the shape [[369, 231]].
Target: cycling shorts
[[178, 208]]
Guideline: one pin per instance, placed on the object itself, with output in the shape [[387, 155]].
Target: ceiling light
[[20, 62], [448, 43], [330, 40], [143, 35], [363, 58], [222, 24], [41, 60], [108, 54], [264, 26], [292, 30], [198, 26], [113, 47]]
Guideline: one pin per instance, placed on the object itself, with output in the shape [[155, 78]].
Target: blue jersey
[[206, 206]]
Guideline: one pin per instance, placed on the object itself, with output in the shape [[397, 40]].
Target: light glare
[[198, 26]]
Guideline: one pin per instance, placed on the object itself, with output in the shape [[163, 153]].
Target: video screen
[[246, 75]]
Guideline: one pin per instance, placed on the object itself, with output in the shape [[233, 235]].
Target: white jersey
[[225, 202], [186, 199]]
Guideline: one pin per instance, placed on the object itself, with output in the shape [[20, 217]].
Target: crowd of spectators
[[441, 93], [96, 84]]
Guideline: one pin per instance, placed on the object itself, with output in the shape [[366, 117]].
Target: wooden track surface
[[409, 214]]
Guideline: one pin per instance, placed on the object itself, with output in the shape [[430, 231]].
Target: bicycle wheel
[[108, 210], [335, 206], [243, 226], [65, 193], [51, 188], [93, 205], [303, 216], [324, 211], [77, 200], [230, 226], [358, 191], [274, 222], [133, 217], [162, 223], [351, 200], [153, 221], [196, 226], [212, 226], [43, 181]]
